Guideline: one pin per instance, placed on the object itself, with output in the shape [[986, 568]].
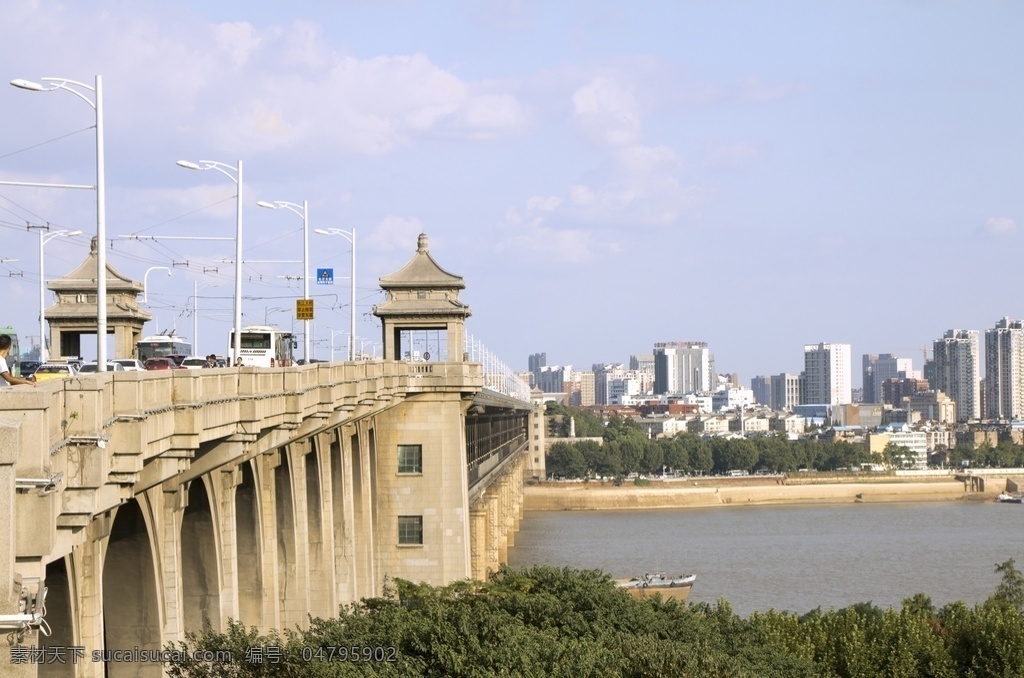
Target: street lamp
[[351, 237], [303, 212], [333, 334], [44, 238], [145, 281], [227, 170], [101, 209]]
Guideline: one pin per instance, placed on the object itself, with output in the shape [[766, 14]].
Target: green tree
[[653, 457], [1010, 591], [898, 456], [566, 460]]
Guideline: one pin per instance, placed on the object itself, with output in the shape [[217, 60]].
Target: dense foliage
[[627, 450], [550, 622]]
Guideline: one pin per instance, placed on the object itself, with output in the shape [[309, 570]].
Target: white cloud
[[573, 246], [540, 203], [581, 195], [238, 40], [236, 88], [647, 160], [607, 111], [999, 227], [393, 233]]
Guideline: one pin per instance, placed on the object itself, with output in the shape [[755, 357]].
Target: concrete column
[[265, 467], [320, 565], [343, 525], [478, 540], [169, 507], [293, 541], [229, 479]]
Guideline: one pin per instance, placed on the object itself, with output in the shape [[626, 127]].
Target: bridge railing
[[498, 376]]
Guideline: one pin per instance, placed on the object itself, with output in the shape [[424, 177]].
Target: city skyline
[[604, 176]]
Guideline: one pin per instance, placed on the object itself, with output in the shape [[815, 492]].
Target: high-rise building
[[604, 374], [683, 367], [826, 375], [887, 367], [537, 361], [868, 371], [762, 388], [553, 379], [785, 391], [581, 389], [956, 371], [1004, 370]]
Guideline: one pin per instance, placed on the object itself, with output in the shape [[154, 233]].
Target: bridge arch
[[60, 614], [131, 604], [200, 581]]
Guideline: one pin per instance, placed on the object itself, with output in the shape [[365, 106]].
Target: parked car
[[48, 371], [29, 367], [193, 362], [130, 364], [161, 364], [94, 367]]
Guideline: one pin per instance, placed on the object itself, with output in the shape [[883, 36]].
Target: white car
[[193, 363], [94, 367], [130, 364]]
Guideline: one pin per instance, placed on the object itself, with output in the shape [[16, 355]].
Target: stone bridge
[[145, 505]]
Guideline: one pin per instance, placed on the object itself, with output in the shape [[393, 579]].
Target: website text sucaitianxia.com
[[264, 654]]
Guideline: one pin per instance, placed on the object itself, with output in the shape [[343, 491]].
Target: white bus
[[163, 346], [264, 346]]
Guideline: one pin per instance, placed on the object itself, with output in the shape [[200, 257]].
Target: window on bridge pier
[[410, 530], [410, 459]]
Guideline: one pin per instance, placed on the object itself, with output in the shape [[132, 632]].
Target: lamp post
[[101, 202], [145, 281], [303, 212], [227, 170], [44, 238], [334, 333], [351, 237]]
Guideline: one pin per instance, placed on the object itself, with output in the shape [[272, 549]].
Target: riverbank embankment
[[748, 491]]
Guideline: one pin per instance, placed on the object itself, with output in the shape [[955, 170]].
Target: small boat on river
[[1005, 498], [658, 583]]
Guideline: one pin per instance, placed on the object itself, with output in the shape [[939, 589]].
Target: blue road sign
[[325, 276]]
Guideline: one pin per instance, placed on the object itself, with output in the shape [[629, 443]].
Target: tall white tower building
[[1004, 370], [826, 375], [957, 361], [683, 367]]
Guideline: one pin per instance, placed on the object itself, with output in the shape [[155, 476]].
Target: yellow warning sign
[[303, 309]]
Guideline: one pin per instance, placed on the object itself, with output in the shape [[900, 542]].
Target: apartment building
[[826, 376], [1004, 370], [956, 371]]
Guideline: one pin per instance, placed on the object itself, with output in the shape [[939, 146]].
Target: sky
[[605, 175]]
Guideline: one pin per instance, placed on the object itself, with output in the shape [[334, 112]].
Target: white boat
[[658, 583], [1004, 498]]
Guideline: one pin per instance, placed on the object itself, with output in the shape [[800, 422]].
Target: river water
[[793, 558]]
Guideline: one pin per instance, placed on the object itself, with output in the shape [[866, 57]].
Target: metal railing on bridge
[[498, 376]]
